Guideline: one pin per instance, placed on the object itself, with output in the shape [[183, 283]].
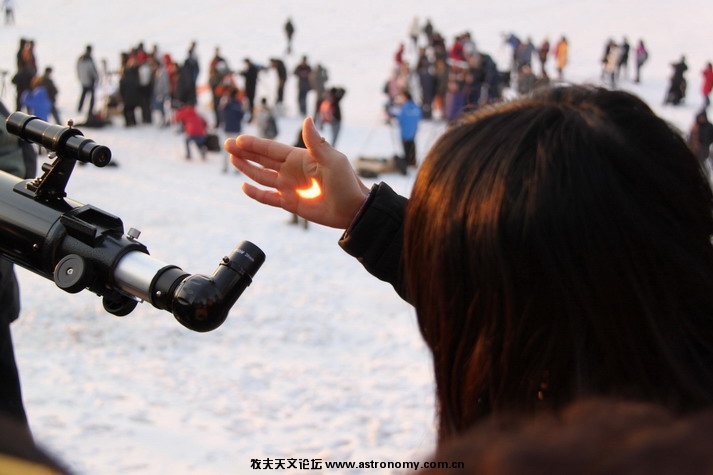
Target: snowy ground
[[317, 360]]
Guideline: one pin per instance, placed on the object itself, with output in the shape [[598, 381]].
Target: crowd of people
[[151, 86], [447, 80], [444, 78]]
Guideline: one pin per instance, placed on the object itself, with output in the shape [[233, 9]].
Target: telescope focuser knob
[[73, 273]]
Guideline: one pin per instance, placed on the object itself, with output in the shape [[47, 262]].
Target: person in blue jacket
[[232, 113], [36, 99], [408, 115]]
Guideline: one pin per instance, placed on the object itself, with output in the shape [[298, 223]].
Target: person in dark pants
[[250, 73], [281, 71], [303, 71], [52, 92], [408, 116], [88, 77], [289, 33]]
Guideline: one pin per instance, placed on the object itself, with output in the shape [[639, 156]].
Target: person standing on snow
[[561, 56], [408, 115], [330, 111], [642, 55], [88, 76], [677, 87], [195, 128], [279, 66], [707, 84], [250, 73], [36, 99], [289, 33], [623, 59], [231, 110], [52, 92], [700, 137], [303, 71], [543, 53]]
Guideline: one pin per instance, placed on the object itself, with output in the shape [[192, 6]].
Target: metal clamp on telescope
[[82, 247]]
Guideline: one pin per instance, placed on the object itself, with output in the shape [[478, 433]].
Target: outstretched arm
[[287, 172]]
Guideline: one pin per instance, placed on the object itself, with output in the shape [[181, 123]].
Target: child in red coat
[[195, 127]]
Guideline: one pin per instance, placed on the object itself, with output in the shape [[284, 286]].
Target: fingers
[[267, 197], [265, 152], [319, 148], [263, 176]]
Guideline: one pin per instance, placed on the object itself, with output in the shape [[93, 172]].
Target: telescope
[[79, 246]]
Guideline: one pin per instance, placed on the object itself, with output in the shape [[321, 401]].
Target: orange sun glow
[[312, 192]]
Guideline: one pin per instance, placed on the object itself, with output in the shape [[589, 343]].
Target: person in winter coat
[[195, 128], [22, 81], [642, 55], [330, 111], [303, 71], [561, 54], [130, 90], [623, 59], [279, 66], [186, 84], [232, 113], [408, 115], [161, 90], [250, 73], [318, 79], [88, 77], [146, 70], [217, 70], [265, 120], [700, 137], [36, 100], [677, 85], [455, 100], [543, 53], [611, 63], [707, 85], [289, 28], [52, 92]]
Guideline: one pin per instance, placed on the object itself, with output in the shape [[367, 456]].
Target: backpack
[[326, 111]]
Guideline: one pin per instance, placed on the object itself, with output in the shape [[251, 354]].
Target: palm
[[285, 170]]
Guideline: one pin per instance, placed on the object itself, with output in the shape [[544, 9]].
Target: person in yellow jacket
[[561, 55]]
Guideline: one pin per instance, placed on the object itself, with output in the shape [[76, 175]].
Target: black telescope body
[[79, 246]]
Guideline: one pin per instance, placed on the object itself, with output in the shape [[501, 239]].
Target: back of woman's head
[[560, 246], [588, 437]]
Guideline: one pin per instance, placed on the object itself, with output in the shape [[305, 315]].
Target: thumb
[[317, 145]]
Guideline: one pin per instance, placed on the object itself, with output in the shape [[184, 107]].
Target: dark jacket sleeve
[[375, 237]]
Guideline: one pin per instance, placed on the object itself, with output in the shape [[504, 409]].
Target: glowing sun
[[312, 192]]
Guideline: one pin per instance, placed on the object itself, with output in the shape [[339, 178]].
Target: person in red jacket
[[195, 128], [707, 84]]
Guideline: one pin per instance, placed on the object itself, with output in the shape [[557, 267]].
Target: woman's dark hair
[[588, 437], [557, 247]]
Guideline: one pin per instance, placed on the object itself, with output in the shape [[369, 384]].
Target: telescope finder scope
[[65, 141]]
